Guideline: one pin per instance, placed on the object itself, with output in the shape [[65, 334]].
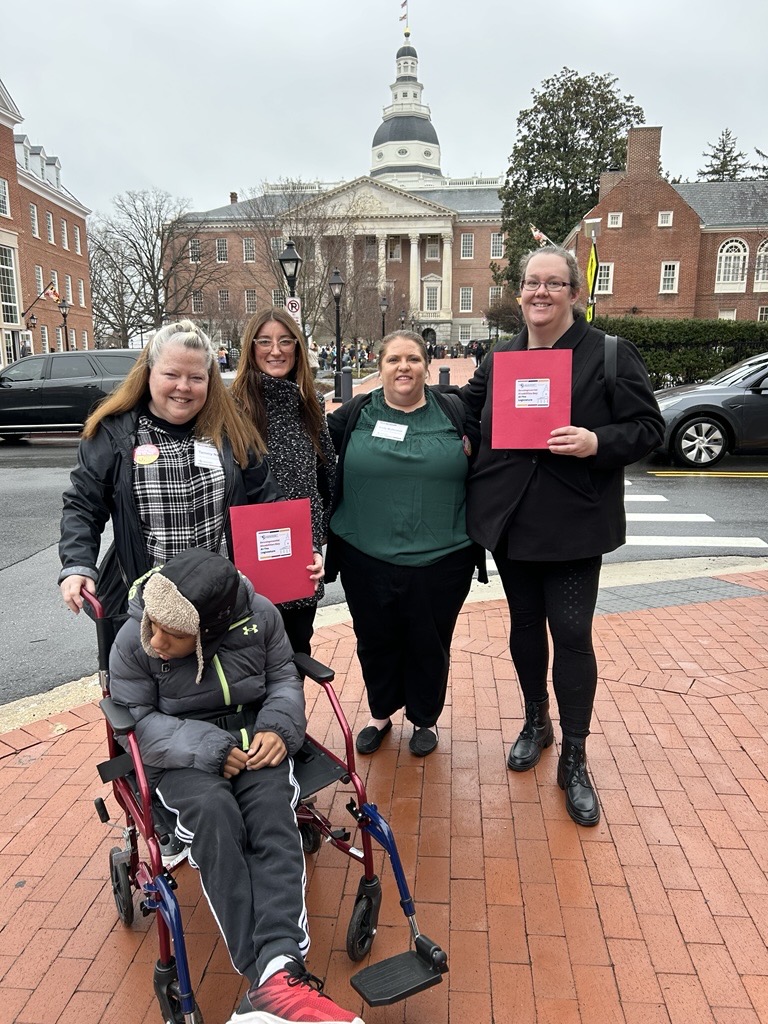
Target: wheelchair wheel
[[122, 889], [311, 837], [362, 929]]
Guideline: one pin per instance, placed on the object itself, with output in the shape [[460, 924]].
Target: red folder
[[273, 547], [531, 396]]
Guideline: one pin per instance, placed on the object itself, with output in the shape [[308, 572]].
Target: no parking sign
[[293, 307]]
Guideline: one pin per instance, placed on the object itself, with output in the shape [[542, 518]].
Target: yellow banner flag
[[592, 267]]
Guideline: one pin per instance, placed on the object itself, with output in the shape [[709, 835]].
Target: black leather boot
[[580, 797], [534, 737]]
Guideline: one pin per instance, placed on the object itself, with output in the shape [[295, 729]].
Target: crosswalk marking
[[669, 517], [645, 497], [697, 542]]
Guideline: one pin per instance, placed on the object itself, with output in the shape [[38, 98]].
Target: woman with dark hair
[[549, 515], [275, 390], [164, 456]]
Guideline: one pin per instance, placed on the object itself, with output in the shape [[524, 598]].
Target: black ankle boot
[[535, 735], [580, 797]]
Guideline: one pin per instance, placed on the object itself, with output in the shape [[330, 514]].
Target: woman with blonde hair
[[163, 457], [275, 390]]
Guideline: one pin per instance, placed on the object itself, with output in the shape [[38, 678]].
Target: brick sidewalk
[[657, 916]]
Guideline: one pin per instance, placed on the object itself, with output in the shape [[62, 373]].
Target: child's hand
[[267, 750], [236, 760]]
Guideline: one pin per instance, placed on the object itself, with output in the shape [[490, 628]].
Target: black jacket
[[342, 422], [102, 488], [557, 507]]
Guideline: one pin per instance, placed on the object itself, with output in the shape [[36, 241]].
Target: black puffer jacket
[[176, 719], [102, 488]]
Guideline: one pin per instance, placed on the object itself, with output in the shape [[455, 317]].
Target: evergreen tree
[[575, 129], [724, 162]]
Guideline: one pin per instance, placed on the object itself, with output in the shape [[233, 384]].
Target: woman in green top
[[398, 537]]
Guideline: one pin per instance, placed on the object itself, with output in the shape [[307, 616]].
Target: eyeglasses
[[266, 344], [532, 285]]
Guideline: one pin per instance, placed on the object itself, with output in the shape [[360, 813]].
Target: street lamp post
[[64, 308], [290, 261], [336, 284], [402, 319], [383, 306]]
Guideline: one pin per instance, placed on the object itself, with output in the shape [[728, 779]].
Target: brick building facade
[[693, 249], [42, 243]]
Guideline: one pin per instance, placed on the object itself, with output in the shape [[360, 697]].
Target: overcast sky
[[203, 98]]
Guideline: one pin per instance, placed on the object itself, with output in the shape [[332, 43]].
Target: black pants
[[246, 844], [404, 617], [562, 595], [299, 625]]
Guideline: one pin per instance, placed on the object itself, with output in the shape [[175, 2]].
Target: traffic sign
[[293, 307]]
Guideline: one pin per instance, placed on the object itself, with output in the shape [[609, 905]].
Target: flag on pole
[[51, 293], [539, 236], [404, 6], [592, 267]]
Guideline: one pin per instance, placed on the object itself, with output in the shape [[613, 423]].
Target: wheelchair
[[405, 974]]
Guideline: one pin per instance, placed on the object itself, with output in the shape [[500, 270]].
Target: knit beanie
[[194, 593]]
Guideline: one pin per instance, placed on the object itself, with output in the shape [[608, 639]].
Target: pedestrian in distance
[[274, 389], [549, 515], [221, 763], [398, 537]]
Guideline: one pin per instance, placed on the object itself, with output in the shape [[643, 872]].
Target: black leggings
[[562, 595]]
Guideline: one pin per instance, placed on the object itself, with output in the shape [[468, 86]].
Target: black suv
[[55, 392]]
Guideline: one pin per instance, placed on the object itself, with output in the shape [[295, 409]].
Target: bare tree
[[115, 288]]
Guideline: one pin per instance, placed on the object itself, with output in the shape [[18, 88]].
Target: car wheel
[[700, 443]]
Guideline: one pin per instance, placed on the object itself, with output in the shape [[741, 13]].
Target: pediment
[[9, 113], [377, 199]]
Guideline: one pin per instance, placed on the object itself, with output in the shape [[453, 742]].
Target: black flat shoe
[[423, 741], [369, 739]]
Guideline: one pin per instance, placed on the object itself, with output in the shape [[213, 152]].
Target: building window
[[49, 227], [615, 220], [731, 275], [8, 298], [431, 298], [494, 294], [467, 246], [81, 291], [39, 282], [465, 332], [604, 283], [68, 288], [84, 339], [194, 250], [497, 245], [197, 302], [33, 220], [370, 252], [670, 273], [250, 300], [278, 297], [465, 299], [55, 281], [761, 267], [249, 250], [276, 245], [64, 234], [432, 251], [222, 251], [762, 314], [73, 339], [59, 340], [665, 219], [78, 250], [394, 251], [44, 338], [726, 314], [5, 205], [223, 299]]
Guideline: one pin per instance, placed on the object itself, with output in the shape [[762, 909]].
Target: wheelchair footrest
[[395, 978]]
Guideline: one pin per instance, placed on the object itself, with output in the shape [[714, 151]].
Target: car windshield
[[735, 374]]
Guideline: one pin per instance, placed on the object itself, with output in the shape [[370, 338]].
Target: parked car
[[727, 413], [55, 392]]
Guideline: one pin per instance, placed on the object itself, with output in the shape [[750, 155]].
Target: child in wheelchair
[[205, 668]]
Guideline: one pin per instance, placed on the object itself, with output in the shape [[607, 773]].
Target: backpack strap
[[611, 349]]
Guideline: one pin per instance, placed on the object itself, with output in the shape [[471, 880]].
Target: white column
[[414, 300], [381, 238], [447, 276], [350, 241]]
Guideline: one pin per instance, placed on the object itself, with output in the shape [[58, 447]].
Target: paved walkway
[[657, 916]]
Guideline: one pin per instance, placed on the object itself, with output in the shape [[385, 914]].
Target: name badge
[[206, 456], [391, 431]]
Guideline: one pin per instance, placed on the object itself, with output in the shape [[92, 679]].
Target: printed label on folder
[[273, 544], [532, 394]]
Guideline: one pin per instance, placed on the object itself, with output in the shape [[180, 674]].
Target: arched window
[[761, 267], [732, 259]]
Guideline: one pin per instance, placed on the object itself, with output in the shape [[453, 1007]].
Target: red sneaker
[[292, 996]]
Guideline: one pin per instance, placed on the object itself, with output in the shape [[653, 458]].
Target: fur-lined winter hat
[[194, 593]]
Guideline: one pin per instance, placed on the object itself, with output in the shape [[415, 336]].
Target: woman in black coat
[[548, 515]]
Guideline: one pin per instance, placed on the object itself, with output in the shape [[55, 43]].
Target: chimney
[[643, 152], [233, 197]]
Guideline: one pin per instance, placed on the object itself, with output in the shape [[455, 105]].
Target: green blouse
[[404, 494]]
